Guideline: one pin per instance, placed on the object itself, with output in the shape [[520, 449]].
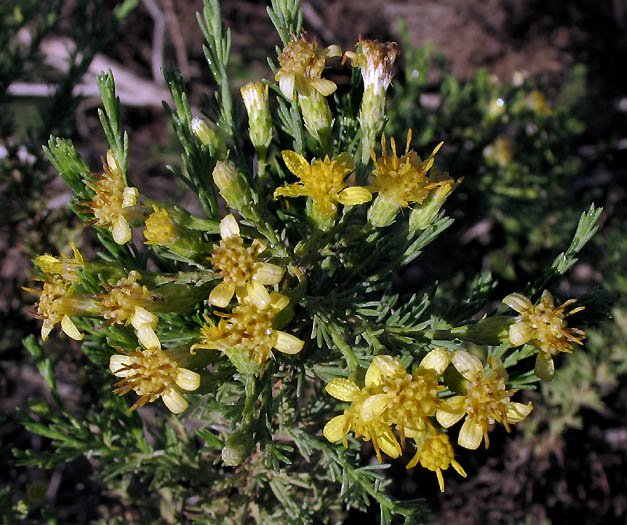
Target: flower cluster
[[394, 400]]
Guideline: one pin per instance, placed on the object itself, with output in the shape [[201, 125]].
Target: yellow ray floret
[[323, 182], [153, 374]]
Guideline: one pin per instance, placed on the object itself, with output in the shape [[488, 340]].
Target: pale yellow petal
[[268, 274], [354, 195], [129, 197], [468, 365], [470, 435], [296, 163], [389, 445], [258, 295], [518, 302], [121, 230], [48, 263], [545, 367], [69, 328], [118, 363], [286, 84], [388, 365], [174, 401], [279, 301], [287, 343], [516, 412], [147, 337], [323, 86], [332, 51], [334, 429], [187, 379], [373, 407], [448, 419], [342, 389], [437, 360], [142, 317], [222, 294], [291, 190], [46, 328], [229, 227], [520, 333]]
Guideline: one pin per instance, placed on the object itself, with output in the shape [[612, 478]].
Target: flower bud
[[231, 185], [255, 96], [209, 137], [317, 117]]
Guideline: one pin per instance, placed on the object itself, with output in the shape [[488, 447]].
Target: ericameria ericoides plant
[[242, 317]]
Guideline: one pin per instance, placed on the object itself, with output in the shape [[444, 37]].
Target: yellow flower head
[[435, 453], [375, 60], [239, 268], [485, 402], [302, 63], [249, 328], [390, 397], [114, 201], [159, 228], [412, 398], [364, 417], [544, 326], [500, 152], [57, 302], [66, 267], [323, 182], [127, 303], [153, 374], [402, 180]]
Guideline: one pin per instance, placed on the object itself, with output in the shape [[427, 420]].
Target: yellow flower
[[390, 397], [127, 303], [323, 182], [57, 302], [363, 417], [239, 269], [485, 401], [159, 227], [115, 203], [302, 63], [66, 267], [411, 398], [544, 326], [400, 181], [403, 180], [249, 328], [435, 453], [153, 374]]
